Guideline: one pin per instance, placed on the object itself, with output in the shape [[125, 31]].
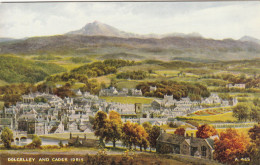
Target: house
[[57, 129], [185, 145], [112, 91], [153, 88], [84, 142], [137, 92], [241, 86]]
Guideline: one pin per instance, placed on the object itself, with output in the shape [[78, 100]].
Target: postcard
[[129, 83]]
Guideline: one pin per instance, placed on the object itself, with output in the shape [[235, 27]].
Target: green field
[[128, 99]]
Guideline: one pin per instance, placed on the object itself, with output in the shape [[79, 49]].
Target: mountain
[[100, 29], [100, 39], [165, 49], [6, 39], [250, 39]]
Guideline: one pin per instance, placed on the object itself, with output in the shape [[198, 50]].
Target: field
[[216, 118], [128, 99]]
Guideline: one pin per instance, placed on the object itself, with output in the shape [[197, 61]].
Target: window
[[203, 150]]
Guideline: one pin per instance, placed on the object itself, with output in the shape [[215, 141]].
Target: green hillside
[[15, 69]]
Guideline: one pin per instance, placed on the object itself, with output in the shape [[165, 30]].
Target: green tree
[[100, 126], [153, 136], [254, 148], [242, 111], [36, 141], [60, 144], [7, 136]]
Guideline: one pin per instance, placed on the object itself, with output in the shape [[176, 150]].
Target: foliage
[[64, 91], [36, 142], [60, 144], [46, 57], [254, 148], [247, 111], [114, 128], [15, 69], [153, 135], [102, 68], [134, 134], [133, 75], [180, 131], [177, 89], [231, 146], [80, 59], [173, 125], [100, 126], [205, 131], [7, 136]]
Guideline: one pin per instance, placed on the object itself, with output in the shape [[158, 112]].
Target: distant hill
[[165, 48], [16, 69], [250, 39], [100, 39], [6, 39], [123, 56]]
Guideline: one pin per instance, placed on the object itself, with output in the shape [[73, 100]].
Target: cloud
[[211, 19]]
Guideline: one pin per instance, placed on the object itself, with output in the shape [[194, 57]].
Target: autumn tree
[[180, 131], [7, 136], [128, 137], [231, 146], [114, 128], [134, 135], [100, 126], [205, 131]]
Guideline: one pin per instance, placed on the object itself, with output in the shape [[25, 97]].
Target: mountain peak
[[97, 28], [250, 39]]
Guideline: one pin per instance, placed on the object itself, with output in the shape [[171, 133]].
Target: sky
[[218, 20]]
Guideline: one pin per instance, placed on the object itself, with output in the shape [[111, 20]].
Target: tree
[[153, 136], [36, 141], [114, 128], [242, 111], [61, 144], [100, 126], [254, 148], [231, 146], [205, 131], [180, 131], [128, 137], [7, 136]]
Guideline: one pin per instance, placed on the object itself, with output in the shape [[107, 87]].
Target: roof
[[171, 138], [54, 128]]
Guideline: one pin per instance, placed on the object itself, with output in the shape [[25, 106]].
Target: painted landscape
[[101, 95]]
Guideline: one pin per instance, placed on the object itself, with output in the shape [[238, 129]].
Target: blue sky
[[216, 20]]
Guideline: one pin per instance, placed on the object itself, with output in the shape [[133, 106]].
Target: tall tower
[[139, 110]]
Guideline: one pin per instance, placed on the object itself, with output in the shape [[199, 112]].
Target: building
[[185, 145], [241, 86]]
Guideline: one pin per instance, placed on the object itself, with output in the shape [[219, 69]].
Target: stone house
[[185, 145]]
